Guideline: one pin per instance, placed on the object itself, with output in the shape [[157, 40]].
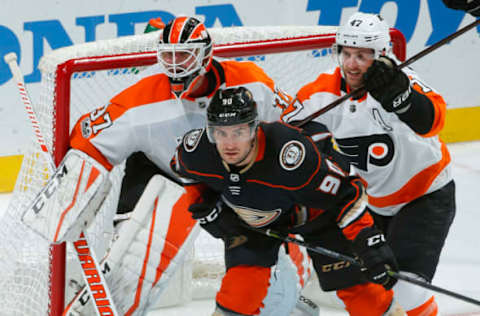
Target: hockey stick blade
[[353, 261], [406, 63], [11, 60]]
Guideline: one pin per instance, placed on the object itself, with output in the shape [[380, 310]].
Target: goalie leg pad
[[70, 199], [151, 246]]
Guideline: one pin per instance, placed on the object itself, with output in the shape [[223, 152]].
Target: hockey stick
[[406, 63], [353, 261], [104, 303]]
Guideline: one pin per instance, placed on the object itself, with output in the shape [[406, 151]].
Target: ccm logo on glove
[[376, 239]]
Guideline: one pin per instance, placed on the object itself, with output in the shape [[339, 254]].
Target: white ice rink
[[459, 268]]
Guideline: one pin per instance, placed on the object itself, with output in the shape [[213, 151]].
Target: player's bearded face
[[234, 143], [355, 62]]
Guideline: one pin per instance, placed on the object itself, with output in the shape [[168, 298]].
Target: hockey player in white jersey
[[389, 133], [150, 117]]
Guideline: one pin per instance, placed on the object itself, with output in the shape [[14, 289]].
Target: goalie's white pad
[[144, 257], [70, 199]]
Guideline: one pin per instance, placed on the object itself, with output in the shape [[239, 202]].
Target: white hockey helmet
[[364, 30]]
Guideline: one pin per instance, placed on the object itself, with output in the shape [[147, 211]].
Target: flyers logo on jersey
[[292, 155], [191, 139], [377, 150]]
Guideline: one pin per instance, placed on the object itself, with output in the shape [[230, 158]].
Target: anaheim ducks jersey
[[397, 164], [288, 175], [148, 117]]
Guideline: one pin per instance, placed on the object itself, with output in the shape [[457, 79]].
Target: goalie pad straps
[[151, 246], [69, 201]]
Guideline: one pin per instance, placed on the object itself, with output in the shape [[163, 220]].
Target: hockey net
[[80, 78]]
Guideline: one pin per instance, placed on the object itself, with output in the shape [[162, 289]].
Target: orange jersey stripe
[[245, 72], [440, 110], [324, 83], [416, 186]]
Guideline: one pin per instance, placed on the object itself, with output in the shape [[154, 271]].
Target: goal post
[[80, 78]]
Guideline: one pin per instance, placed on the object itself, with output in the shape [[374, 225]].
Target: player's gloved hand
[[377, 257], [216, 218], [470, 6], [388, 85]]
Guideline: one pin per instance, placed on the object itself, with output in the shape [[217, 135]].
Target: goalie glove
[[376, 256], [388, 85], [469, 6]]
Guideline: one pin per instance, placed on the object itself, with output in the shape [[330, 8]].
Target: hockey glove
[[216, 218], [388, 85], [376, 256], [470, 6]]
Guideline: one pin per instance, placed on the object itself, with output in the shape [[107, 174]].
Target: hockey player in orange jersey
[[150, 117], [390, 136], [272, 176]]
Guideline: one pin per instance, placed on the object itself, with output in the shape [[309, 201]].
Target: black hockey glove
[[216, 218], [376, 256], [388, 85], [472, 6]]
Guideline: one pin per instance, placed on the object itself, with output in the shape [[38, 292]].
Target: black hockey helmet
[[231, 107]]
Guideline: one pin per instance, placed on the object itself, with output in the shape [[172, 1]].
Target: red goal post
[[63, 69]]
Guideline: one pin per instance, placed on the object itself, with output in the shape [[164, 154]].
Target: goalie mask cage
[[80, 78]]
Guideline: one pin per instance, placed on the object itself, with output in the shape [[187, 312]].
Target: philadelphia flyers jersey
[[288, 175], [397, 164], [148, 117]]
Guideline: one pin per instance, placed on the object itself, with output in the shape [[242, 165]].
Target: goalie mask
[[232, 107], [363, 30], [185, 52]]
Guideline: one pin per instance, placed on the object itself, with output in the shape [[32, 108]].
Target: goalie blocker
[[70, 200]]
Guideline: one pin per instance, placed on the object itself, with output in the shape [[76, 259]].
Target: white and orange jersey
[[397, 164], [148, 117]]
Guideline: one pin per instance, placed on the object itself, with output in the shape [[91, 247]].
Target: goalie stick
[[353, 261], [406, 63], [98, 288]]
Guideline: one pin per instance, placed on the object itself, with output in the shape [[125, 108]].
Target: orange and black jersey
[[289, 182]]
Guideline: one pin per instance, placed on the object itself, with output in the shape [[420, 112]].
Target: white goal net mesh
[[25, 275]]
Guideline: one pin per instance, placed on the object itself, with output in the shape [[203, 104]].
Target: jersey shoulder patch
[[192, 139], [292, 155]]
